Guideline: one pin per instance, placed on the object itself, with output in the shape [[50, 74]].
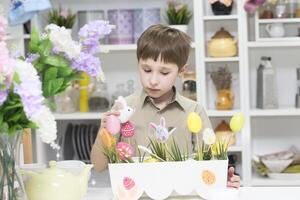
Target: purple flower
[[3, 96], [32, 57], [87, 63], [91, 33]]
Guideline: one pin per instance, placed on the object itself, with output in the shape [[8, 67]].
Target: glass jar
[[281, 9], [98, 100], [267, 12]]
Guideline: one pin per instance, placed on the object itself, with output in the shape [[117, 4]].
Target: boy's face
[[157, 77]]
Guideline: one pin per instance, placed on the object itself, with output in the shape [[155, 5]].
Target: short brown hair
[[171, 44]]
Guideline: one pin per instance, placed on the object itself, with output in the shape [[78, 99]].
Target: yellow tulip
[[194, 123], [106, 138], [237, 122]]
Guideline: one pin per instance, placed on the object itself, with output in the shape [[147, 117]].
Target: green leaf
[[64, 71], [34, 40], [50, 74], [16, 78], [39, 66], [51, 87], [57, 61], [13, 106], [1, 118], [45, 47]]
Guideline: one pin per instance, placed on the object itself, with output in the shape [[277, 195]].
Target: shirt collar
[[178, 99]]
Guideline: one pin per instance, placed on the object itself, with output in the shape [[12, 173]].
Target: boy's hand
[[233, 181], [104, 118]]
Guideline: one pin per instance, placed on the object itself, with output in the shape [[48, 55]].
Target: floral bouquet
[[168, 167], [54, 61], [62, 17], [178, 13]]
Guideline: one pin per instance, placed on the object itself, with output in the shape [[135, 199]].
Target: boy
[[162, 54]]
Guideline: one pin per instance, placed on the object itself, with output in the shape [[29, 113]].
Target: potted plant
[[178, 15], [62, 17], [222, 79]]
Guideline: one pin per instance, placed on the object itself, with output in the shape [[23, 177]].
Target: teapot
[[222, 44], [55, 183], [275, 30]]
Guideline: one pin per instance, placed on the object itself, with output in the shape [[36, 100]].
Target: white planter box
[[159, 180]]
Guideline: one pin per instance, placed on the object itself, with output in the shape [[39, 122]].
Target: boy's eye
[[147, 70], [164, 73]]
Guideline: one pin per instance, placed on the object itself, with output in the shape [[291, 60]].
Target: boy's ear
[[182, 70]]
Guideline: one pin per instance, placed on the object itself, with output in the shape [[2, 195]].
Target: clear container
[[281, 9], [98, 101], [267, 11], [297, 12], [291, 8]]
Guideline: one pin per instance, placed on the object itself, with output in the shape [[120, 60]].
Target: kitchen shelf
[[223, 59], [264, 181], [78, 116], [220, 17], [221, 113], [275, 112], [235, 148], [272, 44], [279, 20], [106, 48], [18, 37]]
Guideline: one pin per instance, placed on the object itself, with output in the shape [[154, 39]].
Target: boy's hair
[[171, 44]]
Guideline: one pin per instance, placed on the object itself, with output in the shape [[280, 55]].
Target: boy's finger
[[231, 171]]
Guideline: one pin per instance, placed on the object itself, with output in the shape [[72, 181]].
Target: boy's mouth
[[153, 90]]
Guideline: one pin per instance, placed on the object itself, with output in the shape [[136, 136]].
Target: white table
[[101, 191], [245, 193]]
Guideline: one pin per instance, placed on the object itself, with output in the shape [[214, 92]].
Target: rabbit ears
[[162, 123], [120, 103]]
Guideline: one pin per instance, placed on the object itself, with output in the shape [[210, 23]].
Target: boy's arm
[[98, 159]]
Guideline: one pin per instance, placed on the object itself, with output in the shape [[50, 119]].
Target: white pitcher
[[275, 30]]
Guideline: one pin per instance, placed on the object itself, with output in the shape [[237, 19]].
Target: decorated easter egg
[[237, 122], [106, 138], [113, 124], [151, 160], [128, 183], [127, 129], [194, 122]]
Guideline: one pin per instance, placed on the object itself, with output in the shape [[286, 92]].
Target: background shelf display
[[257, 131]]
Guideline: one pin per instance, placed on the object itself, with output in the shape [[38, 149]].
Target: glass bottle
[[297, 12], [266, 91], [98, 100], [291, 8]]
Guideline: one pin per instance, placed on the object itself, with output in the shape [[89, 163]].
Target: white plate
[[285, 176]]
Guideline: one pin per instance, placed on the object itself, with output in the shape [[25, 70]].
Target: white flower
[[62, 40], [209, 136], [46, 125]]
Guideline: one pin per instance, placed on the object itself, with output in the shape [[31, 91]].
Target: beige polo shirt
[[175, 114]]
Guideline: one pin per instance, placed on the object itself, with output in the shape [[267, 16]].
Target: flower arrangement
[[251, 6], [62, 17], [178, 13], [175, 168], [59, 59], [222, 78]]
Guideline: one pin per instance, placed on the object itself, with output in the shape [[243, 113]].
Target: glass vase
[[225, 99], [11, 183]]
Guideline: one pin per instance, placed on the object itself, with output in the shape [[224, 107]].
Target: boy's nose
[[154, 80]]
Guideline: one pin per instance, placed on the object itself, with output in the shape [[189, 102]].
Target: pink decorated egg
[[128, 183], [113, 124], [127, 129]]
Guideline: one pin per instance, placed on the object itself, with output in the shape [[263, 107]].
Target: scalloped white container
[[159, 180]]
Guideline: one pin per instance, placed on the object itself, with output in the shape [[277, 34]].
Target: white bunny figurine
[[125, 111], [161, 131]]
